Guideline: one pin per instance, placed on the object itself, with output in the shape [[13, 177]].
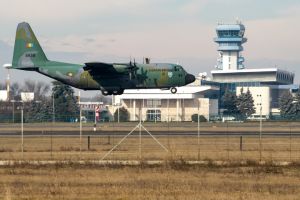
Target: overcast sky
[[164, 30]]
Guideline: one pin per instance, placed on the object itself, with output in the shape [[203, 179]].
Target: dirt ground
[[41, 147]]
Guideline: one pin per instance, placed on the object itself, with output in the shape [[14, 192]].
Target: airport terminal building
[[204, 95], [162, 105]]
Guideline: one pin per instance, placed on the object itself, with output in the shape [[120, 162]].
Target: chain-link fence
[[269, 141]]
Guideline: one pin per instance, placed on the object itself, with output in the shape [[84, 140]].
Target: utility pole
[[198, 120], [260, 127], [13, 110], [22, 131], [80, 122]]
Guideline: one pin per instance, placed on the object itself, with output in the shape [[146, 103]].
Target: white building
[[162, 105], [3, 95]]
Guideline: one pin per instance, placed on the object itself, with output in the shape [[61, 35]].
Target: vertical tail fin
[[28, 54]]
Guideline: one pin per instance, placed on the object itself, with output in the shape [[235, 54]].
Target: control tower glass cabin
[[230, 39]]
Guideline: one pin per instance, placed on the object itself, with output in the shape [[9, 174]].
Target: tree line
[[241, 106], [59, 96]]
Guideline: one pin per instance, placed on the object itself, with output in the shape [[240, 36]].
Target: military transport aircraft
[[110, 78]]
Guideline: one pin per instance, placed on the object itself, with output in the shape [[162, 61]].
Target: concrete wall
[[245, 77], [229, 59], [265, 98]]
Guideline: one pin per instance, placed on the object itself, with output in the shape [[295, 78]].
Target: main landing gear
[[114, 92], [173, 90]]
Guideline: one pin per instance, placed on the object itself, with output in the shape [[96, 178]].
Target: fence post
[[89, 142], [241, 143]]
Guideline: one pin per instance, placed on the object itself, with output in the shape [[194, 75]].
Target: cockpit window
[[176, 68]]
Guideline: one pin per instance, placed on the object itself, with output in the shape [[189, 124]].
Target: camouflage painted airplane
[[110, 78]]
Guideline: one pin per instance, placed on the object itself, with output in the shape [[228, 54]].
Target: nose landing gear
[[173, 90]]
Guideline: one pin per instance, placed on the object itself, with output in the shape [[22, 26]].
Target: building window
[[153, 115], [153, 103]]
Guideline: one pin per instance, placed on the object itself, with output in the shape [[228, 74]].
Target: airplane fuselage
[[153, 75]]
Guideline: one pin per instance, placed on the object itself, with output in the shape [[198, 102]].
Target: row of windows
[[153, 103], [285, 76], [230, 33], [228, 44], [232, 86]]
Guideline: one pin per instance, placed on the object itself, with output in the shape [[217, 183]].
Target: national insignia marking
[[29, 45]]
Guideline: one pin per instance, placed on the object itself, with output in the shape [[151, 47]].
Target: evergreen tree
[[39, 111], [245, 104], [65, 102], [201, 118], [230, 103], [290, 106]]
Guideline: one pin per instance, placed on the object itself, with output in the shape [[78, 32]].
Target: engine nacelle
[[121, 68]]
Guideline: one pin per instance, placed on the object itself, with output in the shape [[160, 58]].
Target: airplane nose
[[189, 78]]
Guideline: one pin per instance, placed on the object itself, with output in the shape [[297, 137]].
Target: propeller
[[132, 69]]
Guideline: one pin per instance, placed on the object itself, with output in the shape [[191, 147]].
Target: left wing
[[100, 69]]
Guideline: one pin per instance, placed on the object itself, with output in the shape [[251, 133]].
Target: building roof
[[264, 75], [185, 92], [246, 70]]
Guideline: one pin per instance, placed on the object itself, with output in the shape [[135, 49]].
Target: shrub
[[201, 118], [123, 115]]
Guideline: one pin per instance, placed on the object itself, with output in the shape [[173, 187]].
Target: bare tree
[[39, 88], [15, 91], [101, 98]]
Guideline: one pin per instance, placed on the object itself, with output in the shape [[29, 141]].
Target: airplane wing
[[100, 69]]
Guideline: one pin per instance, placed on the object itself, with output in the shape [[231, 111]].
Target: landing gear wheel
[[115, 92], [106, 93], [173, 90], [118, 92]]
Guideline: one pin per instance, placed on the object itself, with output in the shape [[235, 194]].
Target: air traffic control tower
[[265, 84], [230, 38]]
